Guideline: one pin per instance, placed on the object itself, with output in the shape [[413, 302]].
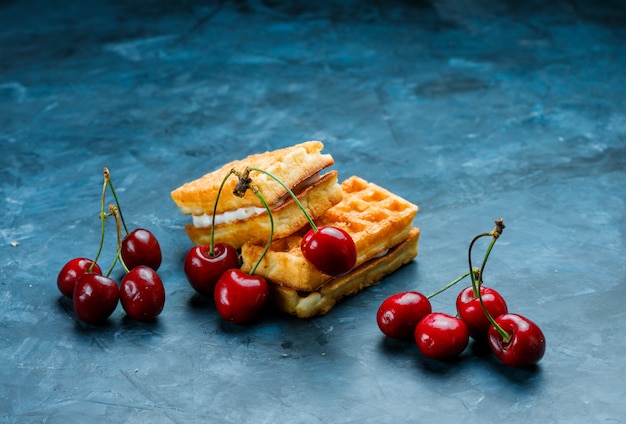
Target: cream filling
[[205, 220], [381, 254]]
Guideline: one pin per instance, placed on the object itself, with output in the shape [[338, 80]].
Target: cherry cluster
[[95, 296], [214, 269], [482, 314]]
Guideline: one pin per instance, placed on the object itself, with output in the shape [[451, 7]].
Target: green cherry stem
[[118, 228], [447, 286], [256, 191], [477, 276], [102, 218], [117, 202], [244, 184], [505, 336], [494, 234], [291, 193], [219, 192]]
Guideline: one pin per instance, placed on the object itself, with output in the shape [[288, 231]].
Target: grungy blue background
[[472, 110]]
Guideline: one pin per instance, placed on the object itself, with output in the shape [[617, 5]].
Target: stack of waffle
[[380, 223]]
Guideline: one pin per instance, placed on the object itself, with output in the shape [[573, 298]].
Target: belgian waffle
[[379, 222]]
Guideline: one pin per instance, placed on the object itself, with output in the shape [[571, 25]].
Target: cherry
[[331, 250], [441, 336], [72, 271], [239, 296], [95, 297], [142, 293], [203, 269], [471, 312], [140, 247], [399, 314], [524, 344]]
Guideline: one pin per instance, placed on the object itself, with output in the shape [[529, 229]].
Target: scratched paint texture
[[472, 110]]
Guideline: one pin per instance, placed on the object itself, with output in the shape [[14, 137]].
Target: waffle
[[376, 219], [292, 165], [244, 218], [321, 301]]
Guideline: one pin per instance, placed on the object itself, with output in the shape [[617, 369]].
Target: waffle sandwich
[[244, 219], [381, 225]]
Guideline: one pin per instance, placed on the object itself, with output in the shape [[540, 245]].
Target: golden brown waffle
[[288, 217], [376, 219], [321, 301], [292, 165]]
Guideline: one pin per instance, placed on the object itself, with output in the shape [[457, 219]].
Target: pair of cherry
[[95, 296], [482, 314], [213, 269]]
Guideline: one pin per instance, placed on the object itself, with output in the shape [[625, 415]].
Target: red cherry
[[441, 336], [471, 312], [399, 314], [95, 298], [71, 272], [140, 247], [330, 249], [203, 269], [526, 346], [239, 296], [142, 294]]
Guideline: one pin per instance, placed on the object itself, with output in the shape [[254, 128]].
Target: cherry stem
[[256, 191], [244, 184], [477, 281], [476, 277], [447, 286], [291, 193], [107, 175], [494, 234], [107, 180], [118, 227], [219, 192]]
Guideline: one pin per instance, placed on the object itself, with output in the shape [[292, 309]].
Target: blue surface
[[473, 112]]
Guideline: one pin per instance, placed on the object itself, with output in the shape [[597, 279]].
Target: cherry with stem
[[514, 339], [442, 336], [140, 246], [75, 268], [239, 296], [468, 301], [205, 264], [330, 249], [96, 296]]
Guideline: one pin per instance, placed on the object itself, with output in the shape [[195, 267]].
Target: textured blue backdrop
[[472, 110]]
